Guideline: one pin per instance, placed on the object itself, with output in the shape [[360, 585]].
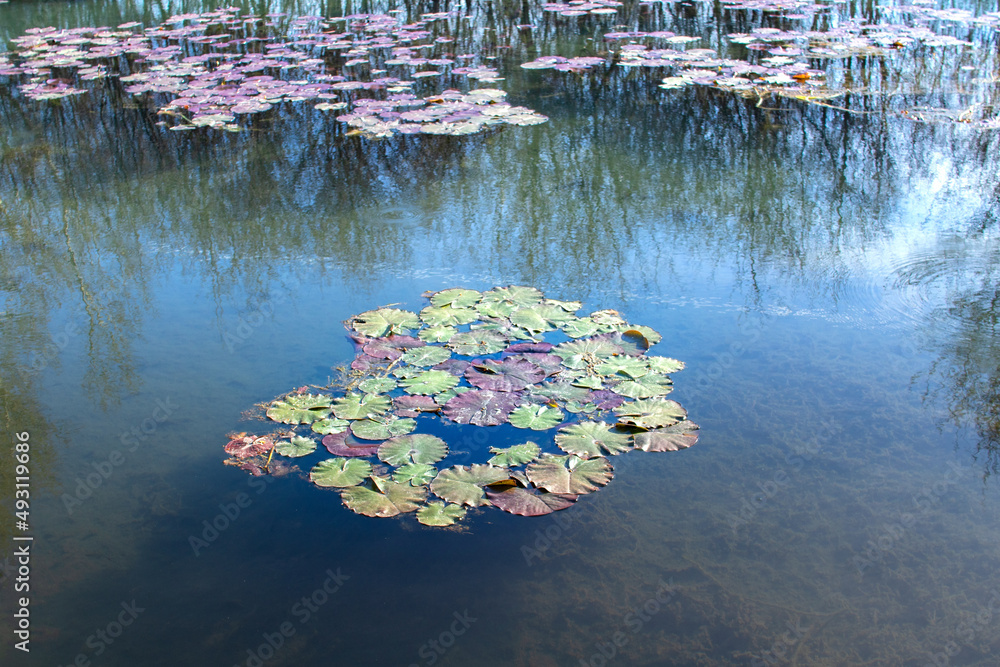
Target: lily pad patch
[[478, 360]]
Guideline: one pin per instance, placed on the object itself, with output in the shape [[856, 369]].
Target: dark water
[[829, 277]]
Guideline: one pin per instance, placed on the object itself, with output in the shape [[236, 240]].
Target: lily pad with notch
[[463, 485], [340, 472]]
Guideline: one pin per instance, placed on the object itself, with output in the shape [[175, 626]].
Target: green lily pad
[[531, 320], [430, 355], [651, 413], [585, 352], [328, 426], [464, 485], [581, 327], [296, 446], [570, 474], [300, 409], [519, 297], [437, 334], [456, 298], [446, 396], [416, 448], [382, 428], [478, 342], [536, 417], [378, 385], [447, 316], [385, 321], [415, 474], [646, 386], [559, 391], [568, 306], [361, 406], [429, 383], [589, 382], [576, 407], [515, 455], [590, 439], [632, 367], [437, 513], [668, 439], [608, 317], [386, 499], [648, 333], [340, 472], [664, 364]]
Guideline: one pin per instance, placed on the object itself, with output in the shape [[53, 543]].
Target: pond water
[[827, 271]]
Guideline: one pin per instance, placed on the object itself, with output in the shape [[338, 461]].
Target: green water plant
[[479, 360]]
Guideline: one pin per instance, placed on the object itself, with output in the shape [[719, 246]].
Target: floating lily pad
[[382, 428], [343, 444], [570, 474], [300, 409], [456, 298], [437, 334], [296, 446], [385, 321], [664, 364], [515, 455], [481, 407], [651, 413], [476, 343], [630, 367], [377, 385], [590, 439], [515, 295], [523, 502], [243, 446], [340, 472], [463, 485], [328, 426], [581, 327], [386, 499], [437, 513], [427, 356], [429, 382], [668, 439], [506, 375], [415, 474], [416, 448], [531, 320], [586, 352], [646, 386], [448, 316], [361, 406], [412, 406], [536, 417]]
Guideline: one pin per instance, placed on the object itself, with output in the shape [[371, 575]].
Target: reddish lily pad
[[482, 407]]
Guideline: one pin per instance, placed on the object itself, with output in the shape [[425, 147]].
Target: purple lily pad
[[482, 407], [243, 446], [342, 444], [456, 367], [529, 347], [412, 406], [506, 375], [520, 501], [606, 400]]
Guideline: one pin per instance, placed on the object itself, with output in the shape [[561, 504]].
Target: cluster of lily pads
[[479, 359], [205, 70], [785, 69]]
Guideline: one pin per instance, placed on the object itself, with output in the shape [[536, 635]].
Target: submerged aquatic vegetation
[[599, 393]]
